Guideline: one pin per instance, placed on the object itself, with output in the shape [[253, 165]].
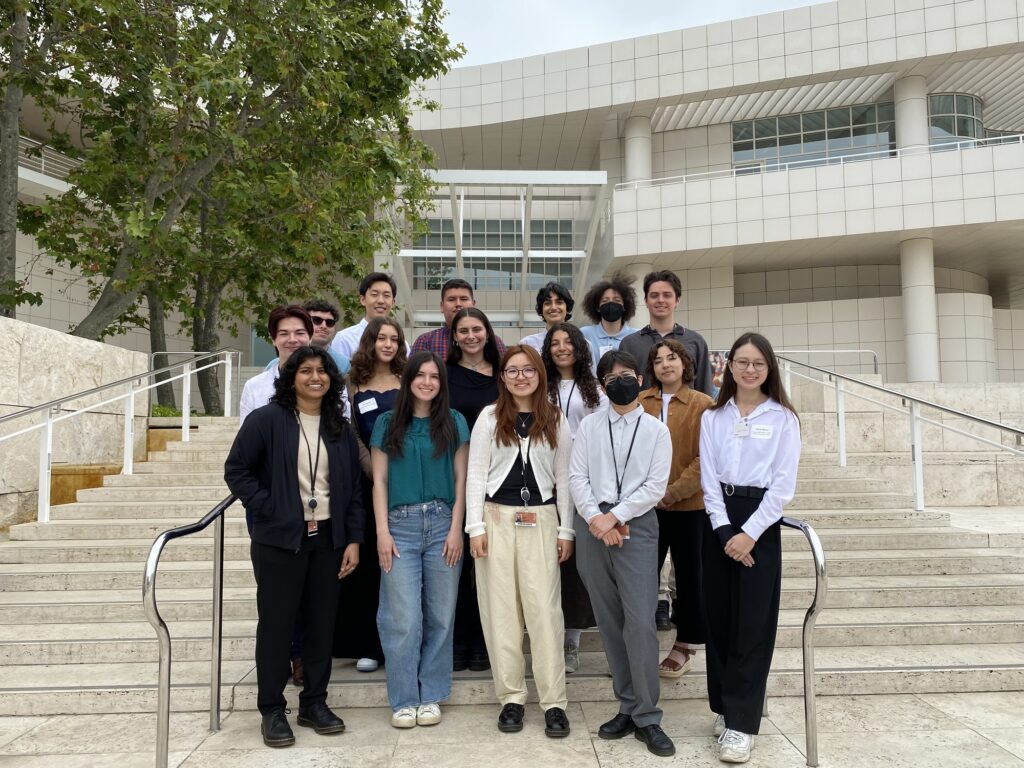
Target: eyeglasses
[[515, 373], [612, 378], [743, 364], [330, 322]]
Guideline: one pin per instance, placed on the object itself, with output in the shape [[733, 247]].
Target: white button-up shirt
[[346, 342], [259, 389], [762, 450], [593, 468]]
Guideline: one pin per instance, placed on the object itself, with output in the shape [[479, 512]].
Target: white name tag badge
[[370, 404], [741, 428], [761, 431]]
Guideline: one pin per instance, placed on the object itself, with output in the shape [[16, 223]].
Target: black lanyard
[[615, 464], [568, 400], [313, 467]]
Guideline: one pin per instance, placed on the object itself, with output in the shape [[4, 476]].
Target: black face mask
[[611, 311], [623, 390]]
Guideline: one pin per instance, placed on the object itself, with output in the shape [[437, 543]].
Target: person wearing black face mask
[[618, 473], [610, 304]]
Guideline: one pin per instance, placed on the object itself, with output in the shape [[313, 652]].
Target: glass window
[[964, 105], [813, 121], [765, 127], [863, 115], [886, 112], [838, 117], [942, 104], [789, 124], [743, 131], [814, 142]]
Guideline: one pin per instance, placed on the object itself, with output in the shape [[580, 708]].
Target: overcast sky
[[495, 30]]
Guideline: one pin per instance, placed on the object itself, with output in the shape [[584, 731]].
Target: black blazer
[[262, 470]]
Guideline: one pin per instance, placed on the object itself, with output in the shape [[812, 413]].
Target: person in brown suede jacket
[[681, 514]]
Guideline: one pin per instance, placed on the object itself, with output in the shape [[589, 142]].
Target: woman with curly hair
[[573, 387], [295, 465], [377, 367]]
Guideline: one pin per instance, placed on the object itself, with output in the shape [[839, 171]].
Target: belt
[[747, 491]]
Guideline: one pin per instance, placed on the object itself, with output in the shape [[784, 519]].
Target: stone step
[[180, 467], [37, 689], [851, 500], [188, 453], [194, 492], [843, 484], [198, 422], [177, 513], [166, 480]]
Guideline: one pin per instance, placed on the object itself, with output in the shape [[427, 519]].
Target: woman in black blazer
[[295, 466]]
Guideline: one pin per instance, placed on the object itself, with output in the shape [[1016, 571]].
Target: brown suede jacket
[[684, 412]]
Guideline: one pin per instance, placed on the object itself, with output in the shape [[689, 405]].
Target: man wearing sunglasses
[[325, 327]]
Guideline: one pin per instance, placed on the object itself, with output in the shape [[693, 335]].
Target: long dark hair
[[332, 415], [442, 425], [582, 370], [772, 385], [491, 354], [365, 357], [546, 416]]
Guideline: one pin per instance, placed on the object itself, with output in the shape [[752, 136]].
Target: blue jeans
[[416, 616]]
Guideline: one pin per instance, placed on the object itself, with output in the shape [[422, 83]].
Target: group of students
[[566, 467]]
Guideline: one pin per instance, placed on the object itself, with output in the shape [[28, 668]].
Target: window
[[953, 118]]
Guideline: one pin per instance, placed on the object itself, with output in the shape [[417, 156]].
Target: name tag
[[741, 428], [761, 431], [312, 528], [602, 349], [526, 519], [370, 404]]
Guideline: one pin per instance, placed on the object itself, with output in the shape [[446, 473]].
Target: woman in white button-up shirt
[[749, 452]]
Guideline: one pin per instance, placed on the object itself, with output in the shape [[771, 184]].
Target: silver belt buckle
[[729, 489]]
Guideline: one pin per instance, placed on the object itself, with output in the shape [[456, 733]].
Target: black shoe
[[657, 741], [619, 726], [479, 661], [511, 718], [275, 729], [556, 724], [320, 718], [460, 661], [661, 617]]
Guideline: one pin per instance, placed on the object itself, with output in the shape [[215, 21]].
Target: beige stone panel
[[910, 749], [970, 484], [896, 432], [953, 441], [19, 462], [11, 339], [864, 433], [1010, 481]]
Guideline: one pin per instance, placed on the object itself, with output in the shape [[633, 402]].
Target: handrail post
[[163, 691], [216, 636], [229, 358], [841, 416], [916, 455], [128, 457], [45, 469], [186, 401]]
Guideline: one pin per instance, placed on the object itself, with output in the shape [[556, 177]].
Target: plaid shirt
[[436, 341]]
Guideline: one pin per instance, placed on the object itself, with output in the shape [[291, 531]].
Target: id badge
[[311, 528], [526, 519], [741, 428]]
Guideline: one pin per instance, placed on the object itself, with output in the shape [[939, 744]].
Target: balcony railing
[[749, 169], [37, 157]]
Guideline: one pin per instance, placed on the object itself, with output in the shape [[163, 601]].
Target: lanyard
[[615, 464], [524, 492], [568, 400], [313, 467]]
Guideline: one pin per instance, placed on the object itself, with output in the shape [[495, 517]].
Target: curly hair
[[680, 351], [619, 282], [582, 370], [555, 289], [365, 358], [331, 410]]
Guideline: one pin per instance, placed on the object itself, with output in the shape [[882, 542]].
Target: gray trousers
[[623, 588]]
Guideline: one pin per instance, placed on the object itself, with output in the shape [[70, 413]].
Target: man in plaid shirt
[[455, 295]]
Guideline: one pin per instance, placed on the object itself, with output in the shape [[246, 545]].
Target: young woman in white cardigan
[[519, 521]]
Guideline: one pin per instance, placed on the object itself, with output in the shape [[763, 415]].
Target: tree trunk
[[10, 121], [158, 343], [205, 337], [112, 303]]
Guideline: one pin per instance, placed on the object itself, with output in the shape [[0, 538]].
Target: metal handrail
[[163, 703], [153, 356], [810, 618], [879, 154]]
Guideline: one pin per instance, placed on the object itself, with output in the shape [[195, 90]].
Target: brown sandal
[[677, 663]]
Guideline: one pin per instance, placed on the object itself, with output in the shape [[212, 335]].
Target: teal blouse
[[418, 476]]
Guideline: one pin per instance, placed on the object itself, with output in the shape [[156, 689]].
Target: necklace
[[521, 421]]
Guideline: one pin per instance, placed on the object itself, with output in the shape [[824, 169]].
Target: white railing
[[748, 170], [53, 413], [36, 156], [910, 406]]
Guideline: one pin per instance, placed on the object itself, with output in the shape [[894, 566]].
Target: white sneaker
[[572, 657], [367, 665], [734, 747], [428, 714], [404, 717], [719, 726]]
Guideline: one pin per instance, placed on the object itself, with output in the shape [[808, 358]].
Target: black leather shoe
[[275, 729], [479, 661], [460, 661], [661, 616], [511, 718], [320, 718], [556, 724], [619, 726], [657, 741]]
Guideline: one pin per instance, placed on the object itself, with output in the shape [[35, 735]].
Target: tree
[[235, 152]]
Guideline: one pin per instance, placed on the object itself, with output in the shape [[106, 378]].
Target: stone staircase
[[915, 604]]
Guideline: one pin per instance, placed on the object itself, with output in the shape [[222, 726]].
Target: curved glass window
[[954, 118]]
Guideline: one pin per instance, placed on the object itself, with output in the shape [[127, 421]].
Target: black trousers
[[355, 628], [683, 534], [742, 611], [293, 585], [469, 634]]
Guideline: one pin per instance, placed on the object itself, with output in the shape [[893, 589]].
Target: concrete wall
[[43, 365]]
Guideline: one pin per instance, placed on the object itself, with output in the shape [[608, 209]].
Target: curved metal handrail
[[163, 706], [810, 618]]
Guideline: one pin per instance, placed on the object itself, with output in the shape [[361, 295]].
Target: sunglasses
[[329, 321]]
